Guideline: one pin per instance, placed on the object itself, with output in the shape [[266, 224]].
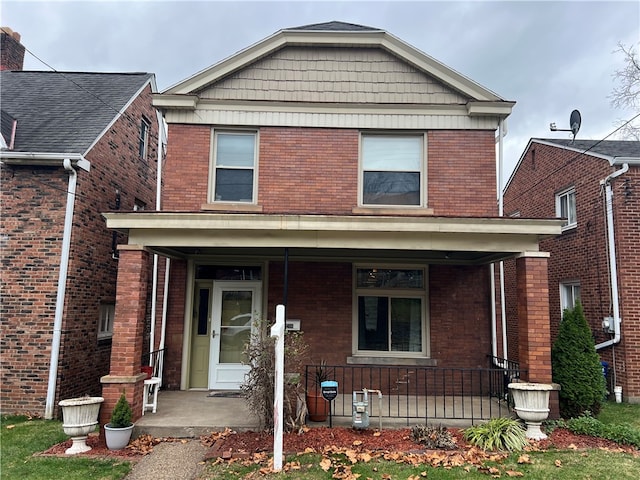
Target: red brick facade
[[580, 254], [33, 202]]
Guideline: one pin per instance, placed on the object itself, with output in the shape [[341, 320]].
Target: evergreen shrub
[[576, 366]]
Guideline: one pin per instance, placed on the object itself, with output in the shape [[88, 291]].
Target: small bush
[[433, 437], [587, 425], [122, 414], [576, 366], [503, 434], [258, 386]]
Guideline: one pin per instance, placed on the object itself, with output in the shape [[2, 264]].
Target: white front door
[[234, 307]]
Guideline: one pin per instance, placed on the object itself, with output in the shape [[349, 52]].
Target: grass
[[559, 465], [20, 438], [620, 413]]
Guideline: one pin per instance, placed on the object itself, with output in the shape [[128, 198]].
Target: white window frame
[[213, 166], [422, 294], [565, 197], [422, 170], [568, 296], [106, 315], [143, 139]]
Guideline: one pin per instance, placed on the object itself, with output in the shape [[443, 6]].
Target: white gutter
[[613, 270], [62, 284]]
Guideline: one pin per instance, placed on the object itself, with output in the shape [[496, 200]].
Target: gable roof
[[184, 95], [610, 150], [616, 152], [66, 112], [334, 26]]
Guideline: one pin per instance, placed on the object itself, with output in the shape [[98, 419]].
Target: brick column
[[534, 332], [128, 330]]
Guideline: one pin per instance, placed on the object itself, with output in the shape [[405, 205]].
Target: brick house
[[74, 144], [593, 186], [339, 170]]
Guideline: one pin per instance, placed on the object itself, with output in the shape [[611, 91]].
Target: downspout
[[154, 287], [494, 337], [613, 270], [62, 286]]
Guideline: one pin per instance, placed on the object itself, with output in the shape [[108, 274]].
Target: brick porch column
[[128, 330], [534, 331]]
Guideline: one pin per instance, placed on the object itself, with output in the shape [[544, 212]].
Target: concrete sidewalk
[[171, 461]]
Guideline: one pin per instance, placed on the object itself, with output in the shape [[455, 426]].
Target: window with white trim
[[569, 294], [390, 309], [392, 170], [566, 207], [143, 139], [107, 313], [234, 162]]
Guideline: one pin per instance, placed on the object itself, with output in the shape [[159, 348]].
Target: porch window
[[569, 294], [234, 166], [392, 170], [105, 323], [566, 207], [390, 311]]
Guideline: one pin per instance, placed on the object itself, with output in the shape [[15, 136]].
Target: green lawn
[[20, 438], [620, 413], [559, 465]]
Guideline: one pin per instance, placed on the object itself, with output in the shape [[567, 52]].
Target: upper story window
[[569, 294], [390, 311], [107, 313], [234, 160], [392, 167], [566, 207], [143, 140]]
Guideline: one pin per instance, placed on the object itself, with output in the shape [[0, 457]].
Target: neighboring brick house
[[74, 144], [594, 185], [370, 168]]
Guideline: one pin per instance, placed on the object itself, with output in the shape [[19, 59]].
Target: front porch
[[189, 414]]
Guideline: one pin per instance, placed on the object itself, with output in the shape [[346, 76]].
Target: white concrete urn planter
[[532, 405], [79, 418]]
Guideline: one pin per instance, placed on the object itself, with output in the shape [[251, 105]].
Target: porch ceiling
[[430, 239]]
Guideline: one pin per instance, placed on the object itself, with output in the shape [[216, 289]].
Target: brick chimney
[[11, 50]]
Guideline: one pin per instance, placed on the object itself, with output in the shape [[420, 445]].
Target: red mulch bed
[[391, 440]]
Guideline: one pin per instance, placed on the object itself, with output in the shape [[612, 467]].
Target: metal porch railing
[[421, 394]]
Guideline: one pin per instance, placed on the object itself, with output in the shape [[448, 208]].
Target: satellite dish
[[574, 121]]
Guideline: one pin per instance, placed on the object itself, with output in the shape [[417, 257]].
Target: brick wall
[[34, 200], [580, 253], [315, 170]]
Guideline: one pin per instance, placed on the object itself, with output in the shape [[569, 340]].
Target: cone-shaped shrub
[[576, 366]]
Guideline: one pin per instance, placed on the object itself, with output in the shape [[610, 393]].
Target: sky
[[550, 57]]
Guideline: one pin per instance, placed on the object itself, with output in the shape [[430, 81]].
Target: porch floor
[[189, 414]]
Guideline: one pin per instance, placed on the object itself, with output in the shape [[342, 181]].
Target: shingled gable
[[477, 100]]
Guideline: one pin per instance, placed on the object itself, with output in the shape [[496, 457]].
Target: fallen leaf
[[377, 434], [325, 464], [514, 473], [357, 442], [558, 463], [524, 459], [9, 427]]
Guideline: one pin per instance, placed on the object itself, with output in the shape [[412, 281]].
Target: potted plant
[[118, 431], [317, 406]]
